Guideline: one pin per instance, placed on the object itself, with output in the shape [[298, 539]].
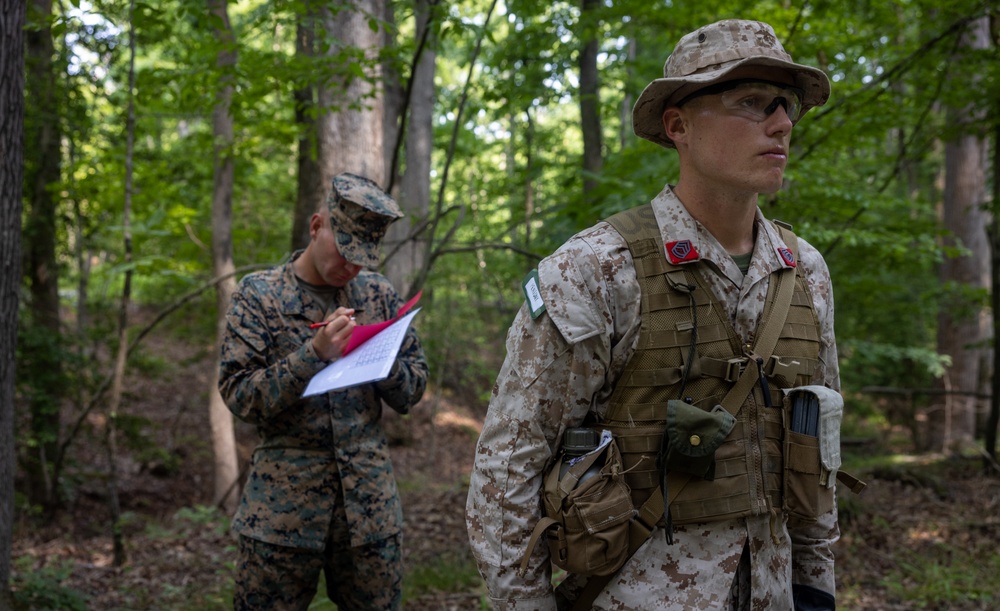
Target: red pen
[[317, 325]]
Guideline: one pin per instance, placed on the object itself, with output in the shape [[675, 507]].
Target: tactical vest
[[688, 350]]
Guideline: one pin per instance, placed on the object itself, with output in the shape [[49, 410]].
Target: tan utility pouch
[[812, 451], [587, 522]]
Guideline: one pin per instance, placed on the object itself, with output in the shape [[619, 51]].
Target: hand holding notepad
[[368, 356]]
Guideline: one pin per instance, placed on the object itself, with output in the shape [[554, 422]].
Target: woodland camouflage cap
[[708, 56], [360, 212]]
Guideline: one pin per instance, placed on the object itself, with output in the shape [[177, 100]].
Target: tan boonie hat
[[707, 56], [360, 213]]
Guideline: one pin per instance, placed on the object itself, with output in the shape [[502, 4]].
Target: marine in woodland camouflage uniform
[[563, 365], [320, 495]]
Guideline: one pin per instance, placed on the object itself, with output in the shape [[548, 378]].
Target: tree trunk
[[12, 18], [625, 133], [590, 101], [42, 173], [962, 330], [408, 252], [993, 419], [393, 102], [438, 214], [309, 184], [225, 493], [118, 379], [529, 175], [350, 127]]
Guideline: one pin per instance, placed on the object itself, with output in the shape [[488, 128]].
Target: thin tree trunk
[[961, 332], [225, 493], [590, 100], [309, 185], [457, 125], [12, 17], [625, 134], [415, 184], [394, 100], [117, 384], [529, 175]]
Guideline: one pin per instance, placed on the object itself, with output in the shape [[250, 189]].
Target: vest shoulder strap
[[636, 224]]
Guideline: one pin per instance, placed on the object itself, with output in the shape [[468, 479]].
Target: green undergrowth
[[448, 573], [44, 588], [923, 535]]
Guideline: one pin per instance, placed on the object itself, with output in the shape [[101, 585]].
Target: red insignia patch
[[681, 251], [786, 256]]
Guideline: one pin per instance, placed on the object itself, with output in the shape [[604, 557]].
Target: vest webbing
[[748, 472], [661, 366]]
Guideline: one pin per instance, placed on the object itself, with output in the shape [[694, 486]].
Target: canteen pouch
[[586, 522], [812, 451], [692, 436]]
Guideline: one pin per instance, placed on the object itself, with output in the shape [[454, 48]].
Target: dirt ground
[[179, 551], [173, 544]]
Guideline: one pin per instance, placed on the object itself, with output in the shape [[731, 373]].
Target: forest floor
[[924, 535]]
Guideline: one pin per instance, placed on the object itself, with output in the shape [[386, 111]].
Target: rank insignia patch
[[681, 251], [786, 256]]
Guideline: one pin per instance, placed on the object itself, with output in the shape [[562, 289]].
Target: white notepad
[[369, 362]]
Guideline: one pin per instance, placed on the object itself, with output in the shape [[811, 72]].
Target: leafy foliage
[[43, 589], [864, 185]]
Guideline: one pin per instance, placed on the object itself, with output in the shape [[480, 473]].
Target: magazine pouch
[[812, 451], [692, 436]]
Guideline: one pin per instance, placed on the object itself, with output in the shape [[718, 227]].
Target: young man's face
[[331, 268], [738, 138]]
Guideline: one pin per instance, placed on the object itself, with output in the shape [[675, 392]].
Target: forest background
[[154, 152]]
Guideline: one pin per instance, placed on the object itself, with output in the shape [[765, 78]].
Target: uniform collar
[[294, 300], [686, 240]]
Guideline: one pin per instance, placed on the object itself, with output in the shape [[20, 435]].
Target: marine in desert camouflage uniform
[[320, 495], [562, 367]]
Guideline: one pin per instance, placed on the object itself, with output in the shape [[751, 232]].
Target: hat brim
[[647, 114]]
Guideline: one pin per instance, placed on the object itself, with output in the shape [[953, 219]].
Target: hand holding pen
[[333, 333], [320, 325]]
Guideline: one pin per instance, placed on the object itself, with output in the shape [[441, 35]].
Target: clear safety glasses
[[755, 99]]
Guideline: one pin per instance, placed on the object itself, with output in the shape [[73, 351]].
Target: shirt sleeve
[[812, 545], [258, 376], [555, 366]]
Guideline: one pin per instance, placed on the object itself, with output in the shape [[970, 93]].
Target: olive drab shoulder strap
[[638, 227]]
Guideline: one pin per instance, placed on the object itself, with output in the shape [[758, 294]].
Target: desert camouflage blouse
[[564, 364]]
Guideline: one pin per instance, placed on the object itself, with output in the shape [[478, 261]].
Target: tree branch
[[160, 317]]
